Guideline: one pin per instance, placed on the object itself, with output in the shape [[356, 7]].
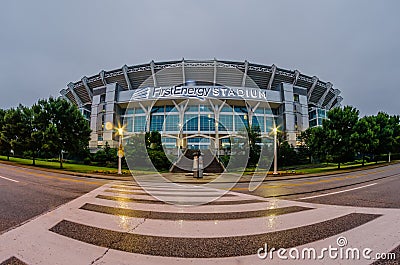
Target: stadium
[[200, 104]]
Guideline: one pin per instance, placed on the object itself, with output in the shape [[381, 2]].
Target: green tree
[[5, 146], [395, 120], [153, 140], [286, 154], [66, 129], [106, 156], [254, 136], [338, 129], [314, 140], [395, 124], [364, 138], [386, 131], [11, 131]]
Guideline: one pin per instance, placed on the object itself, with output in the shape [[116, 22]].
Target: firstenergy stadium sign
[[201, 92]]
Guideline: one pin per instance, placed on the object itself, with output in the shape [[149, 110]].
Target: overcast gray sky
[[353, 44]]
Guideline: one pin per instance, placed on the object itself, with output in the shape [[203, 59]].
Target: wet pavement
[[26, 193], [160, 223]]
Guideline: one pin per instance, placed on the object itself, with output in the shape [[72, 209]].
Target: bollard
[[201, 166], [195, 165]]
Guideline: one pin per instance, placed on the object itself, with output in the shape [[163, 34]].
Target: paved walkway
[[120, 223]]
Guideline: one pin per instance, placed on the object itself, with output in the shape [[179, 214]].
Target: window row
[[197, 122]]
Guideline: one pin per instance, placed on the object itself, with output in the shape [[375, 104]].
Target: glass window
[[259, 121], [241, 122], [204, 108], [259, 110], [313, 123], [226, 109], [158, 109], [207, 123], [156, 123], [225, 123], [269, 124], [168, 140], [171, 109], [129, 111], [140, 124], [198, 140], [190, 122], [321, 113], [312, 114], [139, 110], [128, 121], [296, 97], [194, 108], [172, 123], [240, 109], [268, 111]]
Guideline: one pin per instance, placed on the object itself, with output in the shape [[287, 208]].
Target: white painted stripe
[[13, 180], [336, 192], [174, 197], [190, 209], [208, 228], [158, 192]]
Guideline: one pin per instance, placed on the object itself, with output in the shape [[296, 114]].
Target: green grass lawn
[[76, 167], [333, 167], [319, 168], [66, 166]]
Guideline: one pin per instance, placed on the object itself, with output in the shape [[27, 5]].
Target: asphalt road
[[377, 187], [26, 193]]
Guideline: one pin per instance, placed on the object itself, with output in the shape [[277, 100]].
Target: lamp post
[[180, 140], [275, 131], [120, 150]]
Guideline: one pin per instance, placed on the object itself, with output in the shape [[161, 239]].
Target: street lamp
[[120, 131], [275, 131]]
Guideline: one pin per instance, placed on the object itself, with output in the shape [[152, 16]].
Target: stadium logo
[[200, 92]]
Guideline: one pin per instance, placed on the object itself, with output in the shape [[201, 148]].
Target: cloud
[[47, 44]]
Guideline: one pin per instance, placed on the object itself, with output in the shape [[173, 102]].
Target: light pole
[[120, 150], [180, 140], [275, 131]]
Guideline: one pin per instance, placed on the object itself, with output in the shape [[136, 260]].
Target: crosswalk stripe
[[191, 216], [207, 247], [203, 194], [177, 201]]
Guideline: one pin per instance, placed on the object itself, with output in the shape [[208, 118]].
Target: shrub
[[87, 161]]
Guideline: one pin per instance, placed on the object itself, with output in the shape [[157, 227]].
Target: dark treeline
[[344, 137], [46, 129]]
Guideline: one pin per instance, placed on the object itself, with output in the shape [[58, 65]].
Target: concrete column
[[94, 123], [303, 113], [109, 116], [288, 114]]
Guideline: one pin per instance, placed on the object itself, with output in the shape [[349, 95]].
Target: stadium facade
[[200, 104]]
